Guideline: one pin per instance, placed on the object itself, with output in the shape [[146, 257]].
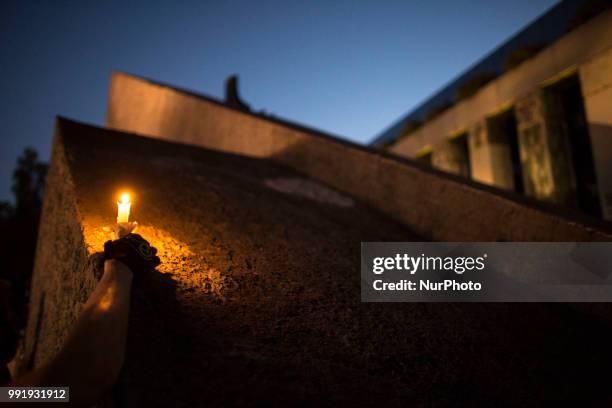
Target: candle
[[123, 208]]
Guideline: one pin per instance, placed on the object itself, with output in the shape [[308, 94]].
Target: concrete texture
[[432, 203], [257, 301], [62, 277]]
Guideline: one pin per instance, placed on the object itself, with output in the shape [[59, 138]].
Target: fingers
[[137, 237], [155, 261], [118, 231], [108, 245], [133, 250], [124, 228]]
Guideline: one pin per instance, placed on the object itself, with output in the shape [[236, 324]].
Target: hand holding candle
[[124, 226]]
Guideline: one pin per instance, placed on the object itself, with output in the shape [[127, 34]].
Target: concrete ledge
[[432, 203]]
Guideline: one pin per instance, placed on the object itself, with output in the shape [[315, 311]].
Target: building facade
[[535, 116]]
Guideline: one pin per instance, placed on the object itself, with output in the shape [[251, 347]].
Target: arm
[[93, 354]]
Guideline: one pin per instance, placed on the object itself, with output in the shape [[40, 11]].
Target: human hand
[[134, 251], [124, 228]]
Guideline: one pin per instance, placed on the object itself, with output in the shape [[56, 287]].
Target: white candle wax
[[123, 208]]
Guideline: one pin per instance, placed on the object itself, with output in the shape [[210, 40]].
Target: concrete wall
[[260, 302], [64, 274], [237, 258], [433, 204], [585, 50]]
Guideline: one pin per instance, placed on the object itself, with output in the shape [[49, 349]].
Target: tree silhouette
[[19, 226], [28, 183]]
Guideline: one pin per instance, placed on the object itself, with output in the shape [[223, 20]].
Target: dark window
[[503, 131], [568, 97], [461, 154]]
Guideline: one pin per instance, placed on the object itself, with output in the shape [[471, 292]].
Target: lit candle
[[123, 208]]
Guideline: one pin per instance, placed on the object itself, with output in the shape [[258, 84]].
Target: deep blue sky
[[347, 67]]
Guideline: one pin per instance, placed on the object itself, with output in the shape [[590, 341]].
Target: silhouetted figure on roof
[[231, 94]]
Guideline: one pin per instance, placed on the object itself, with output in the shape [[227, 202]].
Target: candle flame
[[125, 198]]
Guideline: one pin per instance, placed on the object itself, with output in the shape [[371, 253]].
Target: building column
[[596, 82], [543, 145], [480, 154]]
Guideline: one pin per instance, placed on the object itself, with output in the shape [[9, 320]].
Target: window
[[503, 135], [459, 153], [566, 102]]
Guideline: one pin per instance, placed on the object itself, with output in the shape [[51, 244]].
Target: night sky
[[347, 67]]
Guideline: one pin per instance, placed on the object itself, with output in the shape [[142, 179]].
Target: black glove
[[134, 251]]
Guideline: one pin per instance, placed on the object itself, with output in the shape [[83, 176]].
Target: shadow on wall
[[162, 339], [438, 205]]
